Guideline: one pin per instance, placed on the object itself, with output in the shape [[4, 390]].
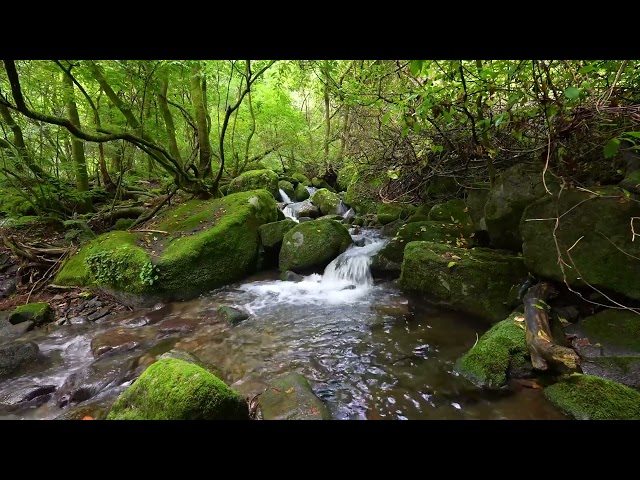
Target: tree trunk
[[77, 146], [198, 101], [327, 116], [18, 142], [543, 349], [168, 118]]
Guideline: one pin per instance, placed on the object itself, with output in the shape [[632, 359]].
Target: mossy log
[[543, 349]]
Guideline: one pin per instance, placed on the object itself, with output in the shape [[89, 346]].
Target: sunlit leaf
[[572, 93], [451, 264], [611, 148]]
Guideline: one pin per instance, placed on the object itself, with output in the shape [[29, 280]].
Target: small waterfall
[[289, 213], [311, 191], [341, 209], [352, 266], [285, 197], [349, 214]]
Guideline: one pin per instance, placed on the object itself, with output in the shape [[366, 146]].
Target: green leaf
[[626, 193], [437, 148], [587, 69], [539, 307], [632, 134], [611, 148], [572, 93], [416, 67], [451, 264]]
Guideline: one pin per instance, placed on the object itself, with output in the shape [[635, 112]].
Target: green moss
[[123, 223], [287, 188], [271, 234], [38, 312], [602, 256], [301, 193], [454, 211], [477, 281], [388, 212], [217, 255], [390, 257], [612, 326], [346, 177], [113, 260], [301, 179], [172, 389], [313, 244], [500, 350], [586, 397], [326, 201], [255, 179]]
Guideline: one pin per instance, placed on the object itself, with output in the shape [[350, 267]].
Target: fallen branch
[[544, 351]]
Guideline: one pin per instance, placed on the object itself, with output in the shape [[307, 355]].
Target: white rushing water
[[285, 197], [346, 280], [287, 210]]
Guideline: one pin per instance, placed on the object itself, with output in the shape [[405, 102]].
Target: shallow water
[[369, 351]]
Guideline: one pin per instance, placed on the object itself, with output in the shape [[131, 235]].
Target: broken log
[[544, 351]]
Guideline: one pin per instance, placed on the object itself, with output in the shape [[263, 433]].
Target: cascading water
[[287, 210], [285, 197], [352, 266]]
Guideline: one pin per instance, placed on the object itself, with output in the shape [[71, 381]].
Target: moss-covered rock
[[618, 329], [586, 397], [123, 223], [514, 190], [208, 244], [346, 177], [313, 244], [301, 193], [326, 201], [271, 234], [477, 281], [597, 230], [173, 389], [232, 315], [500, 351], [39, 313], [631, 182], [362, 194], [301, 179], [388, 212], [476, 200], [389, 259], [253, 180], [440, 187], [291, 398], [338, 218], [320, 183], [454, 211], [287, 188]]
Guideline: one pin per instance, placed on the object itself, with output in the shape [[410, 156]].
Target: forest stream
[[368, 350]]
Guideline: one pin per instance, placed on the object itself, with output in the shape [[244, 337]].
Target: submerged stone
[[291, 398]]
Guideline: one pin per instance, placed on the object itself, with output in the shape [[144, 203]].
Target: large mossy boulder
[[172, 389], [301, 193], [326, 201], [454, 211], [346, 177], [477, 281], [389, 259], [208, 244], [389, 212], [40, 313], [514, 190], [288, 189], [291, 398], [301, 178], [501, 353], [586, 397], [476, 200], [362, 194], [271, 236], [320, 183], [313, 244], [253, 180], [596, 228]]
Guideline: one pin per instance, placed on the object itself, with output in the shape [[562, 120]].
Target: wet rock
[[290, 276], [476, 200], [173, 389], [99, 314], [33, 395], [15, 355], [624, 370], [301, 193], [97, 410], [40, 313], [9, 331], [178, 325], [181, 355], [290, 398], [349, 287], [313, 245], [304, 219], [115, 340], [7, 287], [477, 281], [94, 378], [500, 354], [585, 397], [79, 320], [326, 201], [595, 228], [232, 315], [359, 242]]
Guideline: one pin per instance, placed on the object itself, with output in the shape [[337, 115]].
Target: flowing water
[[369, 351]]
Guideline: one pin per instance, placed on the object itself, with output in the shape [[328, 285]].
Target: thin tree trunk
[[77, 147], [168, 118], [484, 135], [327, 116], [198, 101]]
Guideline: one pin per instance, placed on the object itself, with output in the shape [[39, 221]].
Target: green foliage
[[110, 268]]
